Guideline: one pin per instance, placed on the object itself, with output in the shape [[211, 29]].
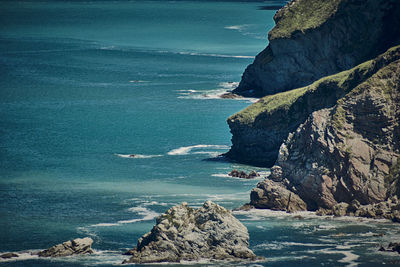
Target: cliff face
[[315, 38], [259, 130], [347, 153]]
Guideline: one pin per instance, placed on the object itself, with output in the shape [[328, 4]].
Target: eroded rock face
[[345, 160], [345, 152], [259, 130], [73, 247], [184, 233], [306, 45]]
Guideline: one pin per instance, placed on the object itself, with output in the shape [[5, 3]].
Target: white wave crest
[[222, 88], [147, 214], [223, 175], [247, 30], [213, 55], [237, 27], [185, 150], [137, 156]]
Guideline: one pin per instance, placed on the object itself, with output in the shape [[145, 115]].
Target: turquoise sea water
[[85, 84]]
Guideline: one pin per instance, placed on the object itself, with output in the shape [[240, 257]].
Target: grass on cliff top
[[283, 101], [345, 80], [302, 15]]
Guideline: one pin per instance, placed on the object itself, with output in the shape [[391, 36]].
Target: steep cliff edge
[[315, 38], [259, 130], [345, 158]]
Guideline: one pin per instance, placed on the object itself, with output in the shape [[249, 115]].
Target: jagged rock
[[276, 174], [341, 153], [340, 209], [9, 255], [272, 195], [230, 96], [394, 247], [316, 38], [323, 212], [183, 233], [243, 174], [73, 247]]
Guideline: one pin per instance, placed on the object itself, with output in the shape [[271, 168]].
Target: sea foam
[[186, 150], [147, 214], [137, 156]]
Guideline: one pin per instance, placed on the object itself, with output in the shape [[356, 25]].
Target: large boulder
[[275, 196], [68, 248], [184, 233]]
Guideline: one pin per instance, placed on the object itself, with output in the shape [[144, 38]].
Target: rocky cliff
[[183, 233], [344, 158], [316, 38], [259, 130]]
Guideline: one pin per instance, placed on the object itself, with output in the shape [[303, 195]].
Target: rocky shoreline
[[334, 144]]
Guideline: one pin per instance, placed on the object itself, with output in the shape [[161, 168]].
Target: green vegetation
[[269, 104], [302, 15], [341, 83], [339, 117]]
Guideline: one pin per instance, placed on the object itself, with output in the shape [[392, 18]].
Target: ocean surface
[[84, 84]]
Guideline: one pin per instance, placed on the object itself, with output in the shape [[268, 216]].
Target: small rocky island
[[243, 174], [186, 234], [78, 246]]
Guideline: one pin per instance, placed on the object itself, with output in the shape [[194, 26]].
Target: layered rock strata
[[184, 233], [315, 38]]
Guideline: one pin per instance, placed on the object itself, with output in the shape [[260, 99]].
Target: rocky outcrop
[[344, 160], [272, 195], [316, 38], [77, 246], [259, 130], [388, 209], [183, 233], [9, 255], [392, 247], [243, 174]]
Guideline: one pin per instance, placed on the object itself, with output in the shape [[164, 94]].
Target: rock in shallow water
[[68, 248], [183, 233], [9, 255]]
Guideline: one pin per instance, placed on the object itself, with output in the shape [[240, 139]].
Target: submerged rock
[[183, 233], [243, 174], [9, 255], [73, 247], [392, 247]]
